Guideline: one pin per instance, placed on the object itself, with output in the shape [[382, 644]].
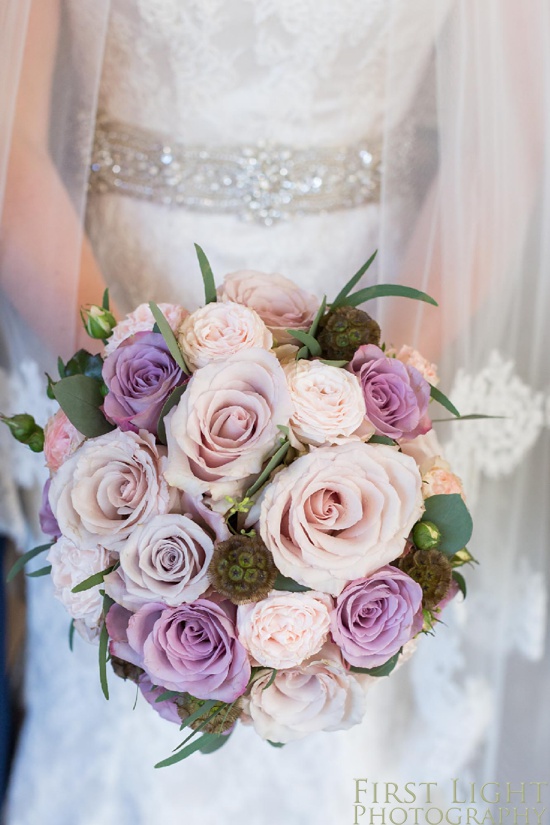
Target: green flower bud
[[24, 429], [426, 535], [98, 322]]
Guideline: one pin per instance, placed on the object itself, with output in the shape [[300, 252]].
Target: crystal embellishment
[[265, 182]]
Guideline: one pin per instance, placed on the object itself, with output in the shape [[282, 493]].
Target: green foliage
[[285, 583], [25, 558], [80, 398], [442, 399], [274, 462], [166, 331], [210, 295], [344, 292], [172, 401], [451, 516], [381, 670]]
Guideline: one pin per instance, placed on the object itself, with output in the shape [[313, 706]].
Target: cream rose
[[71, 566], [220, 329], [283, 629], [340, 513], [142, 320], [61, 439], [225, 425], [108, 487], [278, 301], [438, 479], [164, 560], [328, 403], [318, 695]]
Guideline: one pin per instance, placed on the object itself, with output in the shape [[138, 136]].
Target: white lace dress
[[305, 73]]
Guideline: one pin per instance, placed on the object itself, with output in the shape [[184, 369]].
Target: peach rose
[[278, 301], [438, 478], [412, 358], [218, 330], [141, 320], [61, 439], [317, 695], [225, 425], [112, 484], [328, 403], [70, 566], [283, 629], [340, 513]]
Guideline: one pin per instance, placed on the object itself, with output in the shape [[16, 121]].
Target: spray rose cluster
[[251, 511]]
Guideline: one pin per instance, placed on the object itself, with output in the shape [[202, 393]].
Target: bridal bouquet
[[249, 512]]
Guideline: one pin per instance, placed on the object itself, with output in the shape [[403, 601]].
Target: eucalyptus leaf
[[25, 558], [275, 744], [274, 462], [61, 368], [286, 583], [308, 340], [451, 516], [84, 363], [104, 647], [344, 292], [461, 581], [317, 320], [333, 363], [197, 745], [472, 417], [385, 291], [80, 398], [93, 581], [442, 399], [381, 670], [44, 571], [210, 295], [382, 439], [215, 744], [172, 400], [168, 335]]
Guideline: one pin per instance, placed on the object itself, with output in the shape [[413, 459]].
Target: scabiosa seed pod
[[426, 535], [433, 572], [344, 330], [126, 670], [225, 714], [242, 569]]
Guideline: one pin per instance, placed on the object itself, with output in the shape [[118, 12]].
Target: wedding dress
[[263, 80]]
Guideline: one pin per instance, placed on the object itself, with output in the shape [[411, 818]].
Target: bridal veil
[[465, 217]]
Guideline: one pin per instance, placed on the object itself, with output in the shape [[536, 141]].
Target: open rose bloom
[[254, 529]]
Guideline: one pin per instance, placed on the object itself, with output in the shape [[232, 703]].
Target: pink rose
[[71, 566], [283, 629], [328, 404], [141, 320], [340, 513], [225, 425], [317, 695], [278, 301], [221, 329], [61, 439], [112, 484]]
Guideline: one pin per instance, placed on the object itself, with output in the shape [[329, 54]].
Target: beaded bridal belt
[[262, 182]]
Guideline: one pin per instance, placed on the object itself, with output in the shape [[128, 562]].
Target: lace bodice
[[302, 72]]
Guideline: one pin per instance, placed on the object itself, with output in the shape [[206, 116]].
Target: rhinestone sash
[[265, 182]]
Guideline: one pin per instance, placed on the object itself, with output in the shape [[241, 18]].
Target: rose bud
[[426, 535], [98, 322], [24, 428]]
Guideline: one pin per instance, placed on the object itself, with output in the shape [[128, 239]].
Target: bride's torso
[[298, 75]]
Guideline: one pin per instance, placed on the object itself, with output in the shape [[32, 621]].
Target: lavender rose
[[48, 522], [109, 486], [375, 616], [164, 560], [225, 426], [191, 648], [140, 375], [396, 394], [340, 512]]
